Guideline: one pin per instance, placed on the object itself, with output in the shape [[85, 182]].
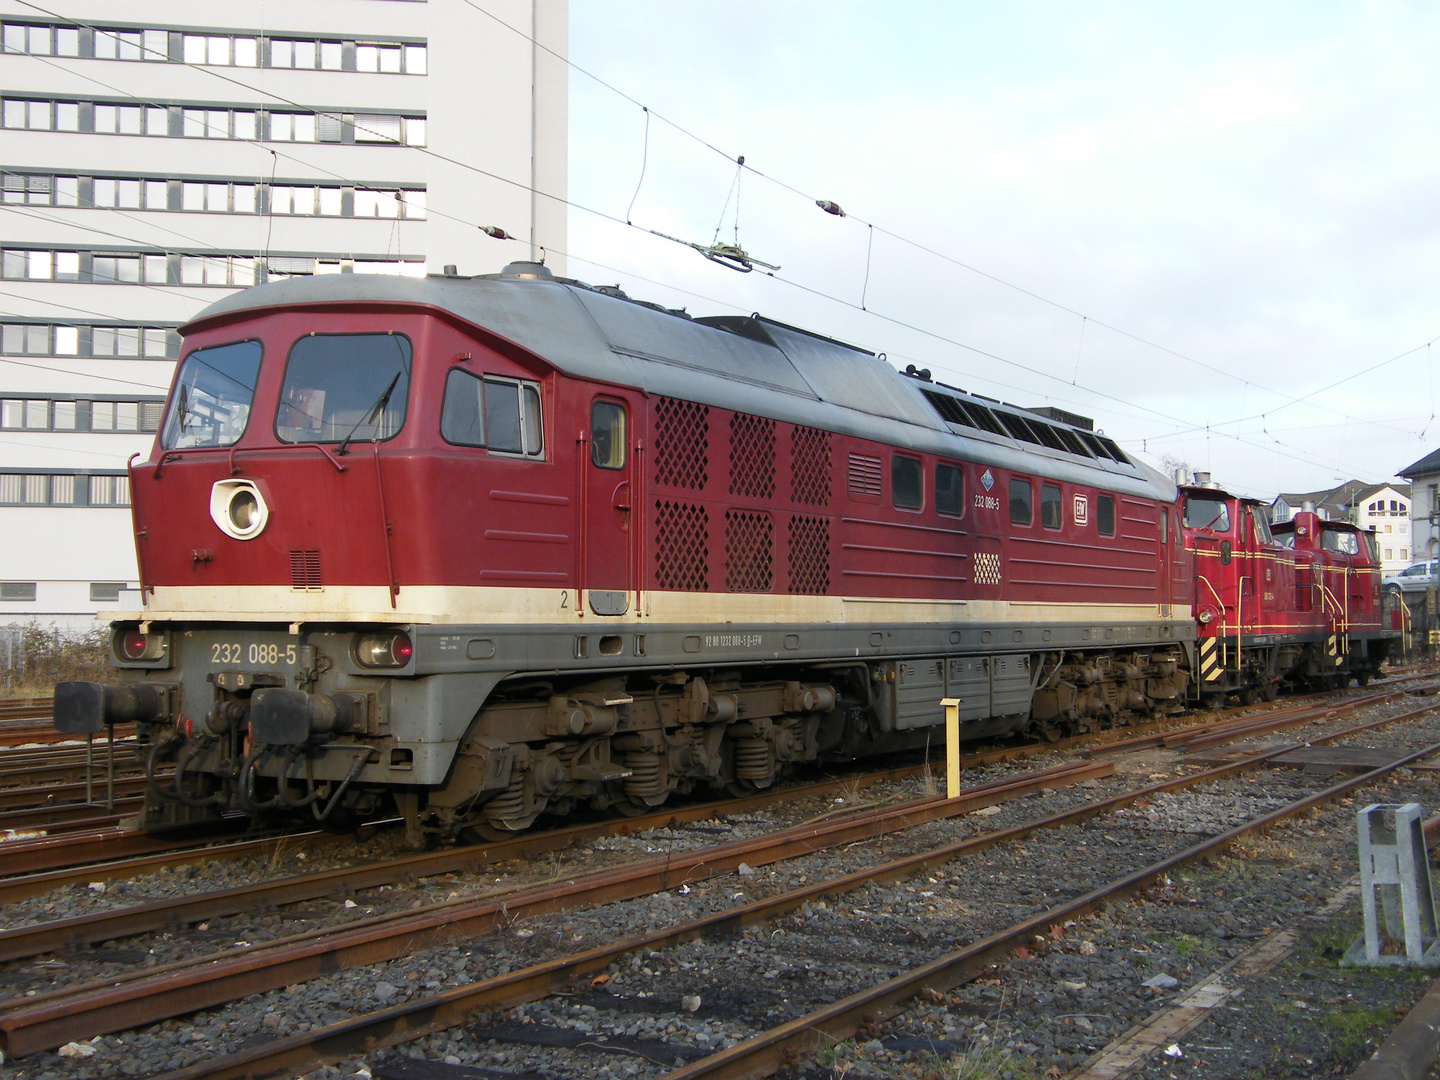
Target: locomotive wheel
[[626, 808], [1363, 676], [1249, 696], [1270, 689], [482, 831]]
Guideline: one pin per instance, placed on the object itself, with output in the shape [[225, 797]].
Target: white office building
[[151, 164]]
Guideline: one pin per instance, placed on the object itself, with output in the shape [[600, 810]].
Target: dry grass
[[46, 655]]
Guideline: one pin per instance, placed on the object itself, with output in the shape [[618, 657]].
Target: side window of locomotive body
[[1021, 512], [1204, 513], [949, 491], [1050, 506], [344, 387], [213, 392], [607, 435], [1105, 515], [907, 483], [500, 414], [1263, 534]]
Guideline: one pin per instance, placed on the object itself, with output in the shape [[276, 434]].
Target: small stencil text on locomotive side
[[809, 467], [682, 539], [682, 432], [808, 541], [749, 542], [752, 457]]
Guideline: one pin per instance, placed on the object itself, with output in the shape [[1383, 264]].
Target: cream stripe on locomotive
[[443, 605]]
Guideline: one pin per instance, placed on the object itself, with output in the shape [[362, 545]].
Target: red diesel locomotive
[[1295, 603], [486, 548]]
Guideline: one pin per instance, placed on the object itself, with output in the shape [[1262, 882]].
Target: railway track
[[810, 1032], [47, 1017]]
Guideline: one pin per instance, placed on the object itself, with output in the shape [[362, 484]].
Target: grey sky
[[1253, 187]]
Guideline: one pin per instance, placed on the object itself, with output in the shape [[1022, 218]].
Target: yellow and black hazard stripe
[[1211, 662], [1334, 644]]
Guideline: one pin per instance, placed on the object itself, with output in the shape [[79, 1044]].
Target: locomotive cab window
[[213, 392], [1021, 512], [1262, 528], [907, 490], [1050, 506], [949, 491], [1204, 513], [1105, 515], [1339, 541], [607, 435], [502, 415], [344, 387]]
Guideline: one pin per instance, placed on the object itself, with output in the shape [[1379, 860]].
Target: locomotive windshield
[[1340, 540], [1203, 513], [212, 396], [343, 387]]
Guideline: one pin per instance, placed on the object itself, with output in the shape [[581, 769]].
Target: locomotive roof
[[752, 365]]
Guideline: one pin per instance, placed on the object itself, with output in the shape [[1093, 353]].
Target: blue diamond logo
[[986, 480]]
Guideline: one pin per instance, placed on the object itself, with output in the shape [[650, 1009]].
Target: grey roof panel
[[750, 365]]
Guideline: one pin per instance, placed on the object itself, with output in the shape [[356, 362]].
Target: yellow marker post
[[952, 746]]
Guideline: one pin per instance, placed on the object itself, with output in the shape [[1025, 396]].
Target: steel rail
[[342, 881], [33, 884], [64, 818], [401, 1023], [116, 1003], [25, 798], [766, 1053]]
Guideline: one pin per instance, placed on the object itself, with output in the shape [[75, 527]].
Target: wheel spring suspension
[[510, 803], [644, 779], [752, 759]]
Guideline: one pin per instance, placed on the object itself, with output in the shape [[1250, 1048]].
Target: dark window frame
[[959, 511], [618, 406], [1058, 502], [1019, 484], [1105, 507], [905, 461]]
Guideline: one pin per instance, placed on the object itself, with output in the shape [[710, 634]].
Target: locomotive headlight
[[391, 649], [136, 647], [1206, 615], [238, 508]]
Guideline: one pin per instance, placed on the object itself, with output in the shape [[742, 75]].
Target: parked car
[[1415, 578]]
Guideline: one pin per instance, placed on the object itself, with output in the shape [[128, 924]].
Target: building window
[[17, 591], [106, 592], [109, 491]]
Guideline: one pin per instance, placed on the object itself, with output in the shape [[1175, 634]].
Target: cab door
[[608, 574]]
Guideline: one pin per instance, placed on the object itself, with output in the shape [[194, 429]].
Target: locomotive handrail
[[1342, 622], [340, 466]]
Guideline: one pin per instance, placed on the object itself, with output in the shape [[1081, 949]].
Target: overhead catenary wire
[[917, 245], [612, 218]]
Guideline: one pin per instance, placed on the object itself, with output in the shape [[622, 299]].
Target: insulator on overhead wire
[[495, 231], [830, 207]]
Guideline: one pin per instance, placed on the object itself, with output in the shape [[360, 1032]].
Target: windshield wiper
[[372, 416]]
